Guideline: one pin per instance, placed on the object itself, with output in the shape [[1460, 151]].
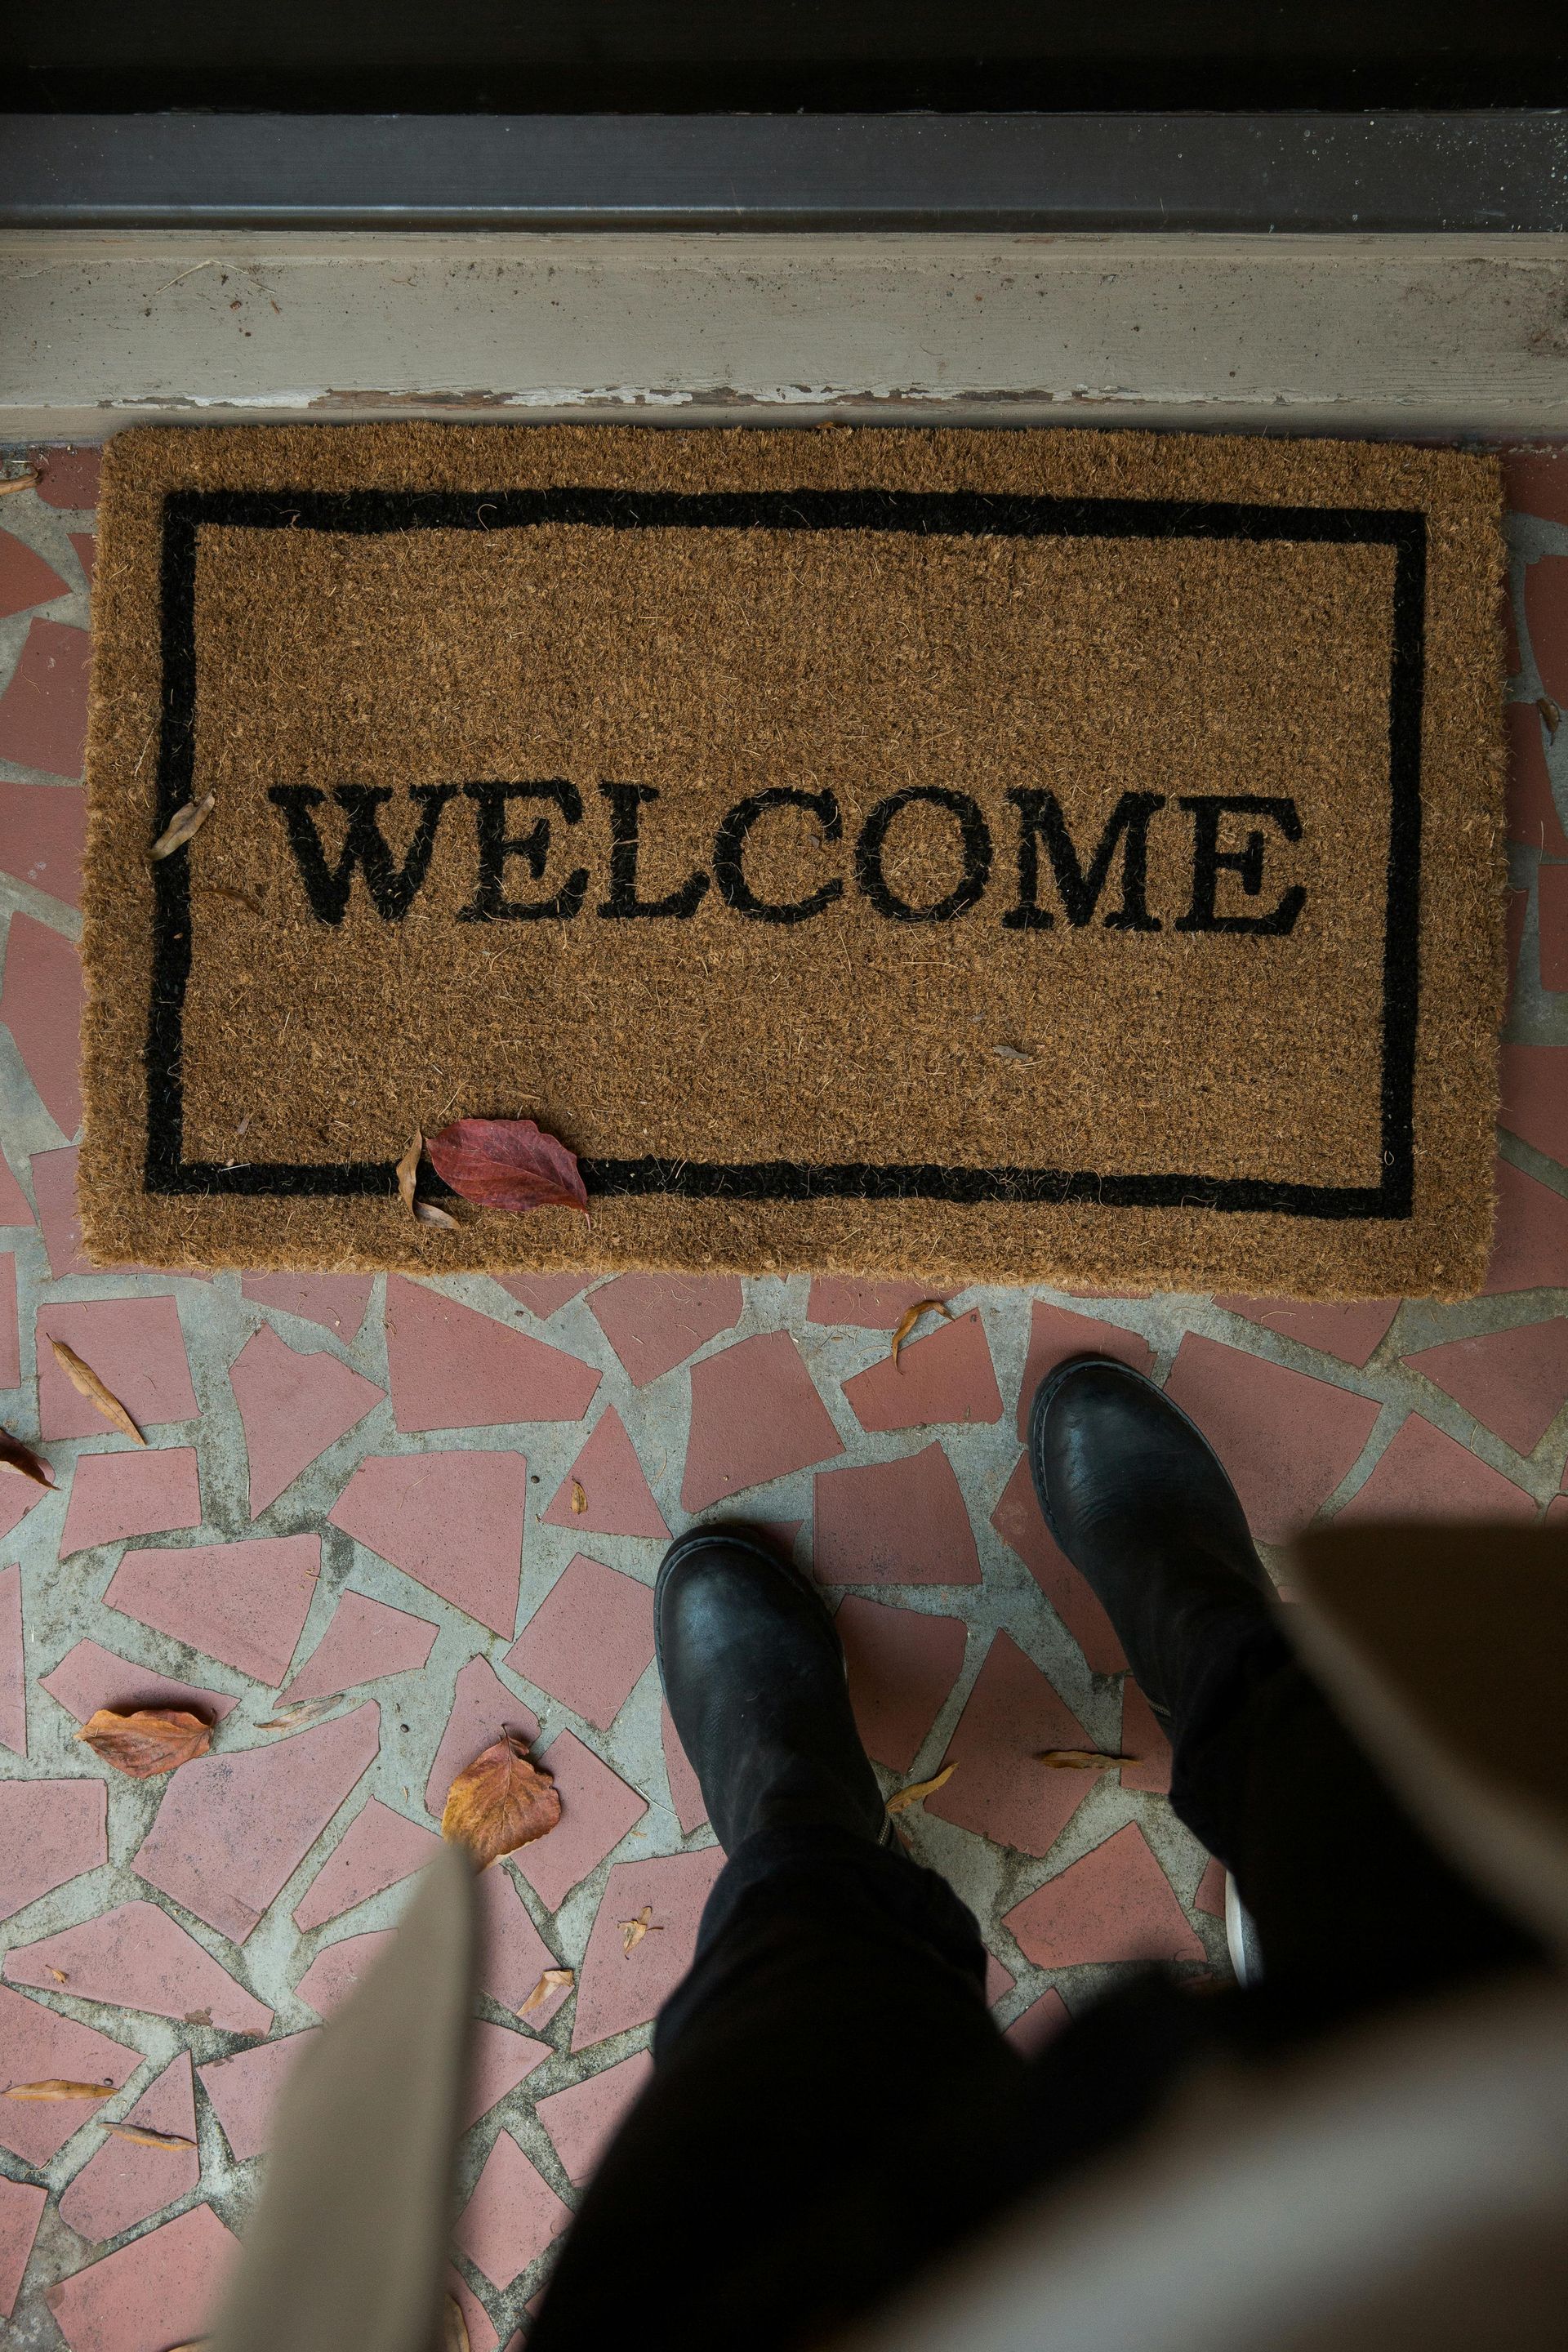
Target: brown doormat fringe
[[1046, 856]]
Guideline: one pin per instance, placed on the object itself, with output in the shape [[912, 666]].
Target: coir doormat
[[1031, 855]]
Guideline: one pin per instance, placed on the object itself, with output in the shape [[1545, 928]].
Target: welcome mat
[[1040, 855]]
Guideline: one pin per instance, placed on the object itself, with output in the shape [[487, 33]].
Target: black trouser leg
[[831, 2104]]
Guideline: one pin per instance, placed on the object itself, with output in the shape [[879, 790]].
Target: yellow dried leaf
[[553, 1981], [147, 1741], [408, 1170], [183, 825], [1080, 1759], [454, 2327], [918, 1789], [86, 1382], [579, 1497], [146, 2137], [634, 1930], [912, 1316], [59, 1976], [502, 1802], [56, 2088]]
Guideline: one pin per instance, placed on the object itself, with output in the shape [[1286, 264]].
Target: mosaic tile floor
[[344, 1475]]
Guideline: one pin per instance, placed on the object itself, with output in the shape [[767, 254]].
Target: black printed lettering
[[1209, 861], [627, 801], [729, 846], [975, 835], [392, 887], [1040, 819], [496, 845]]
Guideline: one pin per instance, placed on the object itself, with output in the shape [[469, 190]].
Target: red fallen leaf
[[508, 1163], [148, 1740]]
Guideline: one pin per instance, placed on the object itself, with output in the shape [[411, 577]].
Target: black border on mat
[[966, 513]]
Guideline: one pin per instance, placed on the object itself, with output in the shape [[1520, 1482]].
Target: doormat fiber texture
[[1041, 855]]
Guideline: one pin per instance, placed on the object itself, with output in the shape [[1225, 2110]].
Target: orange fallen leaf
[[912, 1316], [918, 1789], [146, 2137], [1551, 716], [183, 825], [454, 2327], [634, 1930], [147, 1741], [553, 1981], [86, 1382], [579, 1495], [57, 2087], [14, 1455], [59, 1976], [1080, 1759], [508, 1163], [502, 1802]]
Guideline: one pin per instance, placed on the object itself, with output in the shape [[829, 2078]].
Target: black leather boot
[[754, 1673], [1140, 1502]]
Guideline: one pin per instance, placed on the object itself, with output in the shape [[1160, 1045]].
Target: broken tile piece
[[655, 1321], [14, 1209], [244, 1603], [1529, 1246], [40, 1003], [336, 1301], [136, 1957], [378, 1850], [999, 1788], [902, 1665], [51, 1831], [1055, 1333], [1545, 617], [1017, 1520], [122, 2183], [1039, 2023], [511, 2216], [233, 1828], [43, 711], [498, 2060], [512, 1954], [336, 1971], [1144, 1735], [13, 1664], [24, 577], [1210, 1896], [10, 1336], [138, 1350], [161, 2290], [618, 1989], [755, 1415], [947, 1375], [38, 2044], [244, 2090], [1421, 1474], [615, 1498], [844, 1300], [1348, 1330], [1535, 1097], [482, 1708], [452, 1368], [17, 1496], [999, 1981], [1285, 1438], [893, 1523], [1514, 1381], [21, 2209], [454, 1522], [543, 1295], [584, 2117], [1116, 1904], [1552, 926], [597, 1809], [42, 830], [85, 542], [1532, 816], [364, 1640], [685, 1793], [589, 1641], [54, 1189], [113, 1496], [66, 476], [90, 1676], [292, 1407]]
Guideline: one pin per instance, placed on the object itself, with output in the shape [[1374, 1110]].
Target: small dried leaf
[[144, 2138], [146, 1740], [912, 1316], [184, 824], [59, 1976], [251, 900], [303, 1711], [1551, 716], [1080, 1759], [408, 1170], [502, 1802], [14, 1455], [192, 2344], [508, 1163], [56, 2088], [918, 1789], [86, 1382], [454, 2327], [430, 1212], [198, 2017], [1012, 1054], [579, 1495], [634, 1930], [553, 1981], [17, 482]]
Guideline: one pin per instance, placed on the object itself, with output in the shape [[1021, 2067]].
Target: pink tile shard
[[583, 2119], [65, 477], [292, 1407], [43, 711], [1144, 1735], [90, 1676], [655, 1321], [1534, 1088], [686, 1798], [138, 1350], [945, 1376], [513, 1955], [893, 1523], [123, 2183], [511, 2216], [1514, 1382], [244, 1603], [597, 1809], [136, 1957], [618, 1989], [1533, 816], [244, 2091], [17, 1496], [14, 1209], [1552, 926], [902, 1665], [233, 1827], [482, 1708], [498, 2060], [452, 1368], [37, 2044], [1055, 1334], [366, 1640], [1545, 617], [51, 1831], [378, 1849], [1350, 1331], [10, 1338], [999, 1981], [114, 1496], [160, 2290], [40, 1003], [1421, 1474], [54, 1187], [1210, 1896], [999, 1788], [1039, 2023], [42, 830], [755, 1415], [1116, 1904], [21, 2210], [1535, 481], [24, 577], [605, 1493], [85, 542], [454, 1522], [1529, 1248], [543, 1295], [336, 1301], [13, 1664], [589, 1641], [336, 1972], [1017, 1520], [1285, 1438]]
